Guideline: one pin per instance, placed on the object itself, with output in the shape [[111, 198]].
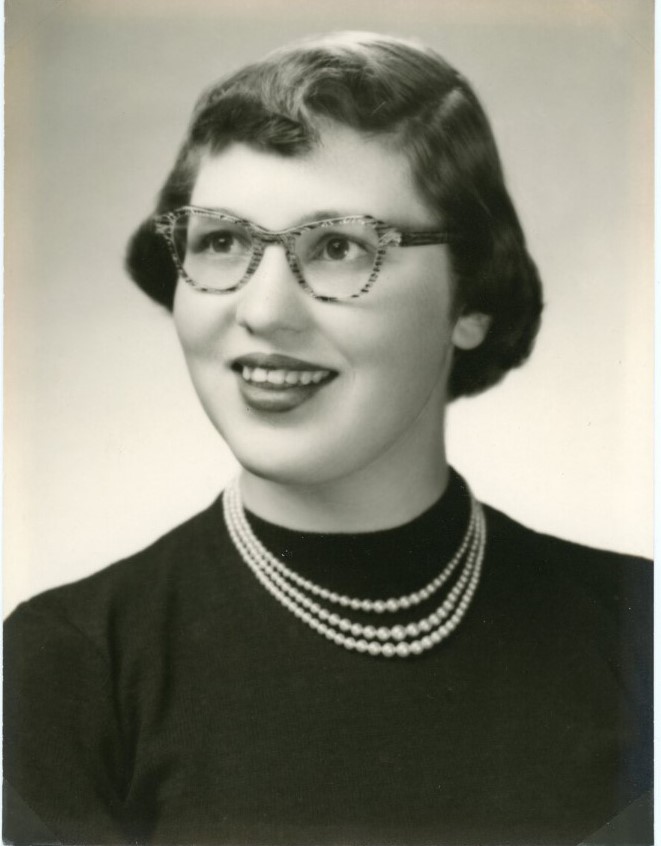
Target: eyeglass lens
[[335, 259]]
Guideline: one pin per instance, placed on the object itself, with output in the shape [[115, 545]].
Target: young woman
[[346, 646]]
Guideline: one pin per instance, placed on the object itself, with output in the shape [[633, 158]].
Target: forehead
[[345, 173]]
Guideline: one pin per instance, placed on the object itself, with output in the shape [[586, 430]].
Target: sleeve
[[63, 751], [635, 658]]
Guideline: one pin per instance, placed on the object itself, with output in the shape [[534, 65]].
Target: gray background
[[106, 444]]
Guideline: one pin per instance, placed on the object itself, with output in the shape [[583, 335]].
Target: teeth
[[276, 377], [259, 375]]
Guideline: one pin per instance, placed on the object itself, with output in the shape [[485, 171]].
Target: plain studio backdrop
[[107, 447]]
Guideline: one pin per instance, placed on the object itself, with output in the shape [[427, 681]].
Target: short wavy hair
[[386, 88]]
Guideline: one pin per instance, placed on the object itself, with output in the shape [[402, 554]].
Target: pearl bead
[[398, 632], [388, 650]]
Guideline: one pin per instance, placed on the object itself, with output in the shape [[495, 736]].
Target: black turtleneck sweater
[[170, 699]]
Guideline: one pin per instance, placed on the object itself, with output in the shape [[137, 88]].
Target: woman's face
[[382, 359]]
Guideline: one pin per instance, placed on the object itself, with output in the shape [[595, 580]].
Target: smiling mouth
[[278, 383]]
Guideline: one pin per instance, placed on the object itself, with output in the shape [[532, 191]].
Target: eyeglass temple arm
[[420, 239], [162, 227]]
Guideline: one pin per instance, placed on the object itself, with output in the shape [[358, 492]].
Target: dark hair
[[384, 87]]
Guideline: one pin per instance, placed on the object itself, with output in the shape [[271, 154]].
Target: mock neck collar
[[379, 563]]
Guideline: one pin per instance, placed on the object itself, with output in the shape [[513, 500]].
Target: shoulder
[[611, 589], [129, 595], [552, 553]]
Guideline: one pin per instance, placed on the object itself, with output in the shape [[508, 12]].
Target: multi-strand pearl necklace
[[300, 595]]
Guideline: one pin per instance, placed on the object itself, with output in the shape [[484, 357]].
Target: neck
[[374, 498]]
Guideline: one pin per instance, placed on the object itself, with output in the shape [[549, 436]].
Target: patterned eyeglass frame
[[389, 236]]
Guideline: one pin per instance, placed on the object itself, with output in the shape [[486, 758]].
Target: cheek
[[406, 344], [200, 323]]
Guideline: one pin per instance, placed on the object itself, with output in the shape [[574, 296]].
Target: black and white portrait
[[328, 413]]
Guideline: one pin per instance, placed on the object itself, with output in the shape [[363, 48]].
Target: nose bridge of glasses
[[262, 239]]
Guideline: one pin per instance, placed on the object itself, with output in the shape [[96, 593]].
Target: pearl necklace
[[296, 593]]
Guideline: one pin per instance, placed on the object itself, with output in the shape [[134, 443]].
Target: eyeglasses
[[335, 259]]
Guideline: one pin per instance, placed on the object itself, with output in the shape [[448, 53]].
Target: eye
[[213, 239], [221, 242], [341, 248], [338, 248]]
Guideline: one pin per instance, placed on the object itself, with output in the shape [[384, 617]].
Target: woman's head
[[409, 98]]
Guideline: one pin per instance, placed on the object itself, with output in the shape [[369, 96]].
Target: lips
[[274, 382]]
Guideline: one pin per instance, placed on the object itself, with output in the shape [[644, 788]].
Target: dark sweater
[[170, 699]]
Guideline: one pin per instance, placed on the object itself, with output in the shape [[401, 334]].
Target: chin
[[283, 469], [277, 456], [291, 458]]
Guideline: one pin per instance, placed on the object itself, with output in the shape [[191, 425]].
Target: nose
[[272, 299]]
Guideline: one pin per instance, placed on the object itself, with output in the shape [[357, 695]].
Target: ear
[[470, 330]]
